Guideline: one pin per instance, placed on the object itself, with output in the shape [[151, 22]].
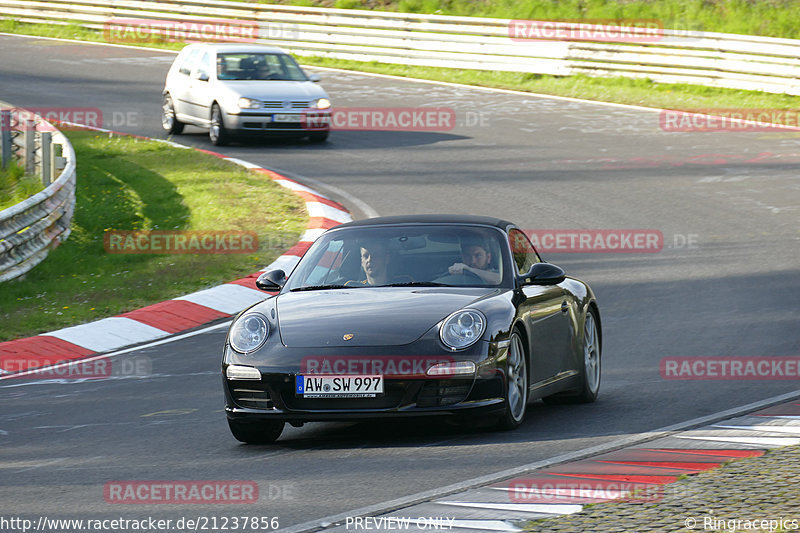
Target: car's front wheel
[[169, 121], [260, 433], [516, 385], [216, 132]]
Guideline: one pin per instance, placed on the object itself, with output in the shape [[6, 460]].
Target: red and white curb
[[179, 314], [636, 473]]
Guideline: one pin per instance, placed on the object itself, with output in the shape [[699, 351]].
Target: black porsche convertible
[[424, 315]]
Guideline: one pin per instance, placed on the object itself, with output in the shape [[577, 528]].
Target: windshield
[[403, 256], [258, 66]]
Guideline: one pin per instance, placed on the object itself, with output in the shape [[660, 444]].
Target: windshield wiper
[[416, 284], [320, 287]]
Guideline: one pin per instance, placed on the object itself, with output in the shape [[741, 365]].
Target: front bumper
[[277, 121], [274, 396]]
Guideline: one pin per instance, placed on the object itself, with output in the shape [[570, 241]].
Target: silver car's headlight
[[463, 329], [249, 333], [249, 103], [322, 103]]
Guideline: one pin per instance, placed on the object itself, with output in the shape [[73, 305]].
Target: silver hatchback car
[[243, 89]]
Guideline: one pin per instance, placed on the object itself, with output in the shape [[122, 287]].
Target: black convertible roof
[[429, 219]]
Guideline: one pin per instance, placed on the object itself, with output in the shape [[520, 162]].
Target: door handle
[[564, 306]]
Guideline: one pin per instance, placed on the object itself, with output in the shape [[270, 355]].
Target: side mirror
[[314, 77], [200, 75], [273, 280], [543, 274]]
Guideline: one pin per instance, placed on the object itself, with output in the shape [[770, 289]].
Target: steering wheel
[[467, 275]]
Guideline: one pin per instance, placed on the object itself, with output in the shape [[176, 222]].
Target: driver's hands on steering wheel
[[456, 269]]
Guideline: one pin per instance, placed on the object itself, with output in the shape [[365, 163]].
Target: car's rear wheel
[[260, 433], [318, 137], [217, 132], [516, 384], [590, 370], [169, 121]]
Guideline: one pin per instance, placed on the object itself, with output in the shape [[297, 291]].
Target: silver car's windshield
[[397, 256], [258, 66]]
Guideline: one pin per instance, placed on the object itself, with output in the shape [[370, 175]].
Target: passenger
[[477, 258]]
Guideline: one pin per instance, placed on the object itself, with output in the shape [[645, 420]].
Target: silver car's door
[[199, 95], [180, 82], [545, 313]]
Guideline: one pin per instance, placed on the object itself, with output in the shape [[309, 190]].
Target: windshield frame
[[504, 259]]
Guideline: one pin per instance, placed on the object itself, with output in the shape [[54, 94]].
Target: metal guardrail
[[711, 59], [29, 229]]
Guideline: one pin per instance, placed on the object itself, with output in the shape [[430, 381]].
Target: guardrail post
[[5, 137], [28, 146], [47, 158]]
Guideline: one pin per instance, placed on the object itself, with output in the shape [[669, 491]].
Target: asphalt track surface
[[543, 163]]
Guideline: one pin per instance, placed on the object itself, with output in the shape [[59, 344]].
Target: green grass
[[642, 92], [776, 18], [129, 184], [15, 186]]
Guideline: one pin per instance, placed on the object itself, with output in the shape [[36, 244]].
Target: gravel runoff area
[[753, 494]]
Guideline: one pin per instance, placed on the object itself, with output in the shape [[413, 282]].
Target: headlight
[[249, 103], [462, 329], [322, 103], [249, 333]]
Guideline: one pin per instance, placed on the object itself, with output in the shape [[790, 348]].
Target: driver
[[477, 259], [375, 260]]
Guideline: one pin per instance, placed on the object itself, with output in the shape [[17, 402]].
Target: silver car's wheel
[[516, 384], [216, 131], [169, 121]]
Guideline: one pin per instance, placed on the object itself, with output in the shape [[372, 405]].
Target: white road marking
[[544, 508], [118, 352], [227, 298], [749, 441], [108, 333], [318, 209], [793, 430]]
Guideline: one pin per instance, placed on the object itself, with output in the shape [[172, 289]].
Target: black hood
[[374, 316]]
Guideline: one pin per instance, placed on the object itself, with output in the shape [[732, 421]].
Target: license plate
[[339, 386], [286, 118]]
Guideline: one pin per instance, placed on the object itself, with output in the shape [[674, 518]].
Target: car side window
[[205, 65], [188, 62], [523, 251], [293, 70]]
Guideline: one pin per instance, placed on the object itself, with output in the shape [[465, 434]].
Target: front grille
[[251, 396], [439, 392], [285, 126], [278, 104]]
